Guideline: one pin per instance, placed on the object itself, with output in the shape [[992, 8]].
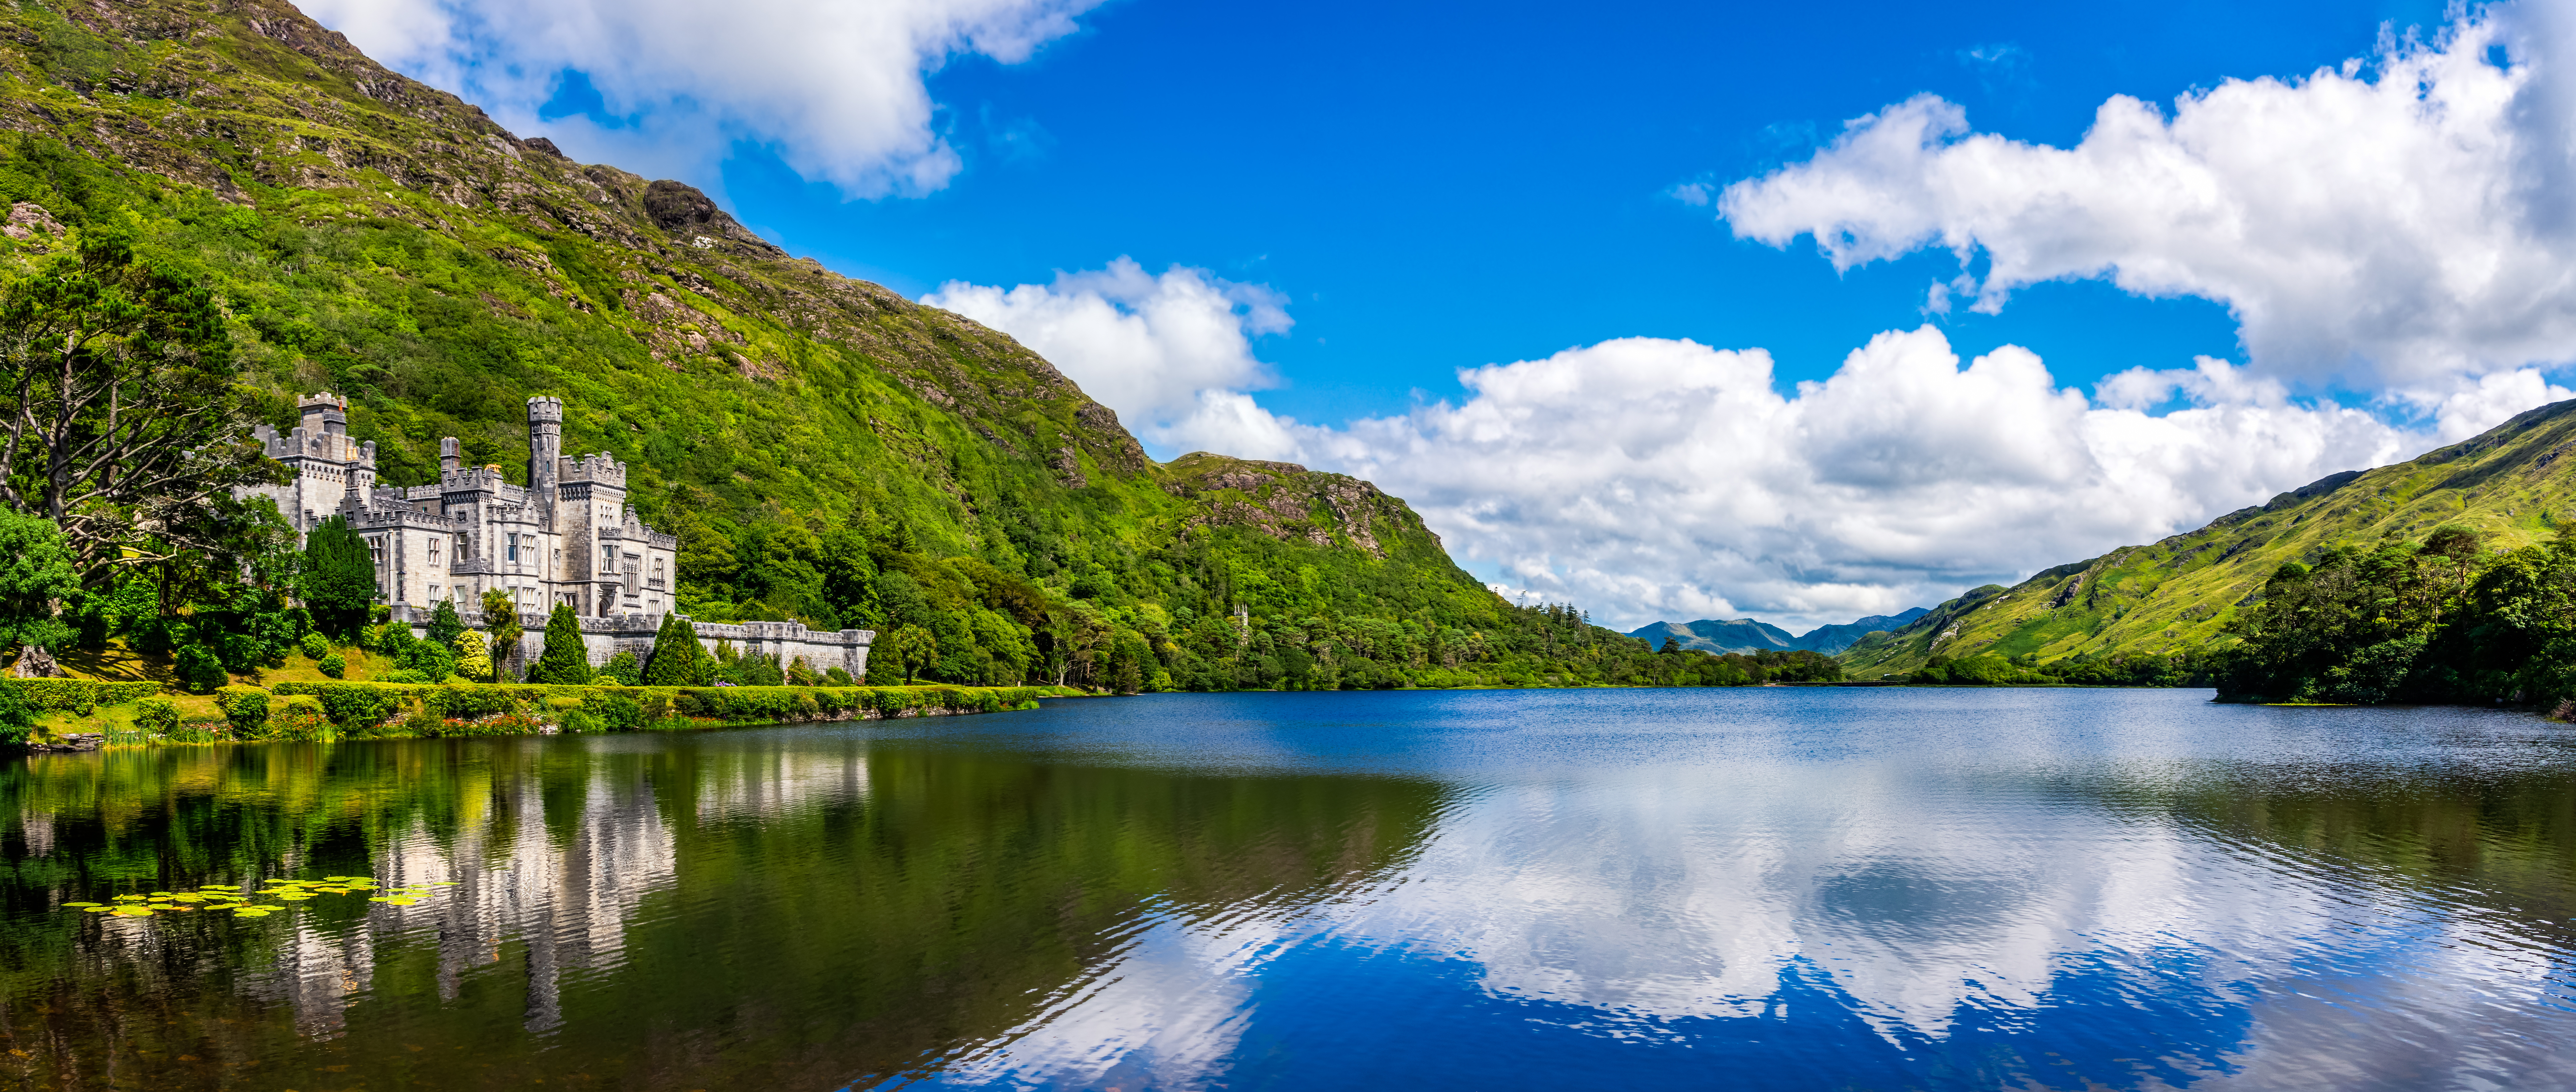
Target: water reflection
[[1787, 889]]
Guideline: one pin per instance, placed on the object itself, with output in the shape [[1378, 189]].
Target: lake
[[1760, 888]]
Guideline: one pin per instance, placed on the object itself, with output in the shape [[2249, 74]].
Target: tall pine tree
[[565, 660]]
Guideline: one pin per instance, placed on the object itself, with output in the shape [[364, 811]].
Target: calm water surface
[[1777, 888]]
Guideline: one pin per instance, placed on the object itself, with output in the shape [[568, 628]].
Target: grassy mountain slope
[[825, 448], [2513, 484]]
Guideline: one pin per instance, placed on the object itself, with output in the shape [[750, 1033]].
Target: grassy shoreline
[[73, 712]]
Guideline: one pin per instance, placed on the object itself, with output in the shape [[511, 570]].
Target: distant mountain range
[[1747, 635]]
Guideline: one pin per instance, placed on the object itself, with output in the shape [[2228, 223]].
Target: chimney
[[450, 457]]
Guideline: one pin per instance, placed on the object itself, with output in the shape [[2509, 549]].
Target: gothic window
[[607, 559], [514, 547]]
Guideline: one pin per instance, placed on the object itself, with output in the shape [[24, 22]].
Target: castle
[[567, 537]]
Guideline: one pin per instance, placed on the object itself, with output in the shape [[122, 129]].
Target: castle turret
[[324, 414], [545, 445], [451, 458]]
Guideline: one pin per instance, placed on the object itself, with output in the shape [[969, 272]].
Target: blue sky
[[1438, 187], [1555, 275]]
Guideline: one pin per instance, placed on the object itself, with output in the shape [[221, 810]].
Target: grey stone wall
[[604, 638]]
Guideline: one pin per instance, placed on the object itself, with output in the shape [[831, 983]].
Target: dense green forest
[[826, 450], [2440, 620]]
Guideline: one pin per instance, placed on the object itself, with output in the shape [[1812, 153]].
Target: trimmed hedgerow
[[79, 695], [382, 708]]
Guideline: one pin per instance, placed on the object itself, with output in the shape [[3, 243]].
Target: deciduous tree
[[123, 424]]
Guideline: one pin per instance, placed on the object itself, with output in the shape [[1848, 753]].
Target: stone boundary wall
[[604, 638]]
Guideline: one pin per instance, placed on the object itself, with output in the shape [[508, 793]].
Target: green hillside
[[826, 449], [2510, 485]]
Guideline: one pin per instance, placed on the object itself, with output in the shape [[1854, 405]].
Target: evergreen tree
[[35, 570], [126, 417], [337, 579], [678, 658], [565, 660], [444, 626]]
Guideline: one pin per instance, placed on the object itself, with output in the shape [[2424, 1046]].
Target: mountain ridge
[[1748, 635], [824, 448], [2511, 485]]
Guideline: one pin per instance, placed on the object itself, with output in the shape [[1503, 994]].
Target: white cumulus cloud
[[2404, 224], [1171, 352], [837, 88], [1647, 478]]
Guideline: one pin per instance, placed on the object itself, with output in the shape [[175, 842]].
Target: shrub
[[17, 719], [196, 730], [353, 705], [580, 722], [511, 724], [315, 646], [334, 665], [473, 657], [420, 721], [622, 670], [840, 677], [434, 661], [469, 702], [404, 675], [614, 712], [246, 707], [760, 671], [300, 717], [199, 670], [157, 716]]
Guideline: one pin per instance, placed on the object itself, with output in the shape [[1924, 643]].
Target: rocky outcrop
[[36, 663]]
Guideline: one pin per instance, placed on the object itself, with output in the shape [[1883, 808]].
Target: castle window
[[607, 559], [514, 547], [433, 593]]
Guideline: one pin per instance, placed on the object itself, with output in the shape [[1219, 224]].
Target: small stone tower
[[545, 445]]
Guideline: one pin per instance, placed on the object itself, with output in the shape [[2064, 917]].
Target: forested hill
[[826, 449], [2510, 487]]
